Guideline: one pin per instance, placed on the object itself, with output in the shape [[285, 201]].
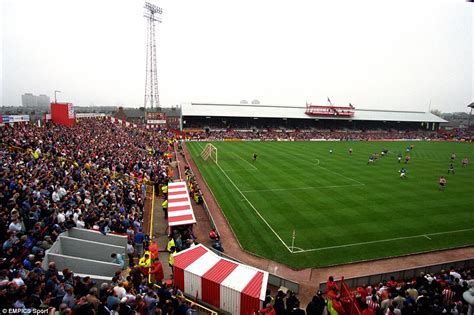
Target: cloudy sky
[[373, 53]]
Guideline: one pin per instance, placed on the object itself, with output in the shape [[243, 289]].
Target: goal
[[209, 153]]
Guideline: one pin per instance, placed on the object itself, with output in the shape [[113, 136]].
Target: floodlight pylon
[[152, 96]]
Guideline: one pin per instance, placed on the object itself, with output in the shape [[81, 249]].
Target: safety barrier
[[148, 210], [348, 300], [408, 273]]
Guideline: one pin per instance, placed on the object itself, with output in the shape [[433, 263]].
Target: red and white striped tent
[[225, 284], [180, 210]]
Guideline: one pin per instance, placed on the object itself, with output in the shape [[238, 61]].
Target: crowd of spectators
[[90, 176], [427, 294], [313, 134], [93, 176]]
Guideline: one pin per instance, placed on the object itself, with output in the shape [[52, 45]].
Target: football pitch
[[339, 208]]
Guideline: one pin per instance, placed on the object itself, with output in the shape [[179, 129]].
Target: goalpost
[[209, 152]]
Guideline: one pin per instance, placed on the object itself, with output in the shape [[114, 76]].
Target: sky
[[375, 54]]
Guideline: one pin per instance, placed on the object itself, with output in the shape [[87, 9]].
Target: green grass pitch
[[341, 209]]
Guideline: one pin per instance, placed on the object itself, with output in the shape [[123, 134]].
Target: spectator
[[118, 259]]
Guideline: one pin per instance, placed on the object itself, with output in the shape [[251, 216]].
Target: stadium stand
[[90, 176], [95, 175]]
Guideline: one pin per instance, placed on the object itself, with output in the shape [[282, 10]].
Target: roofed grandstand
[[95, 176]]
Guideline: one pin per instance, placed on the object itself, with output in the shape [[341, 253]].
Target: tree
[[436, 112]]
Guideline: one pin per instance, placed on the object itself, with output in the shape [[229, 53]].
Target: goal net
[[209, 153]]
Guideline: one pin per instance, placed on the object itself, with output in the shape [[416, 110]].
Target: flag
[[329, 101], [350, 105], [294, 234]]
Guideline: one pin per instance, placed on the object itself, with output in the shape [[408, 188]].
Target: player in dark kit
[[403, 173], [451, 168], [254, 157]]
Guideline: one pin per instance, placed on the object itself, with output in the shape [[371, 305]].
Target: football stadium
[[224, 207]]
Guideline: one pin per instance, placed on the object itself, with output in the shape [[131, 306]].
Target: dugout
[[180, 210], [230, 286]]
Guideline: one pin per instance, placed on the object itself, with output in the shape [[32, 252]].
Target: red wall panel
[[63, 114]]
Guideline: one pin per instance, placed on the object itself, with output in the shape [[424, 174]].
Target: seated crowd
[[362, 135]]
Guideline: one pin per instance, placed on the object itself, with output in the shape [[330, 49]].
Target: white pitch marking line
[[256, 211], [251, 205], [354, 180], [427, 237], [240, 170], [298, 249], [381, 241], [244, 160], [299, 188]]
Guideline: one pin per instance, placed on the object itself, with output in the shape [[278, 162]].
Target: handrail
[[201, 307]]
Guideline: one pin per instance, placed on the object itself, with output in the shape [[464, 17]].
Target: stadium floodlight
[[153, 12]]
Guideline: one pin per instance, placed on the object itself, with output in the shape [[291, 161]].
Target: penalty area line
[[382, 241], [245, 160], [254, 209], [305, 157], [300, 188]]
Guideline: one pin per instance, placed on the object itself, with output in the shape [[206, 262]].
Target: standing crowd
[[90, 176]]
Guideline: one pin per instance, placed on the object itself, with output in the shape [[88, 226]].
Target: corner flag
[[293, 242]]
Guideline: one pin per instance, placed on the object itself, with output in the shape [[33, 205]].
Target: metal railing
[[403, 273], [199, 307]]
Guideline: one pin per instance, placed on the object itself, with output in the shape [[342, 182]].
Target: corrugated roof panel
[[181, 199], [254, 287], [183, 207], [177, 193], [185, 258], [180, 210], [203, 263], [177, 213], [239, 279], [178, 203], [172, 221], [176, 185], [220, 271], [273, 111]]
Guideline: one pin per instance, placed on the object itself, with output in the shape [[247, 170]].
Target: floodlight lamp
[[153, 8]]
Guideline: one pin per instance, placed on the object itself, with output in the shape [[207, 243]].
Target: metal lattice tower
[[152, 97]]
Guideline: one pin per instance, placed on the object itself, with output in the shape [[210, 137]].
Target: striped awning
[[180, 210]]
